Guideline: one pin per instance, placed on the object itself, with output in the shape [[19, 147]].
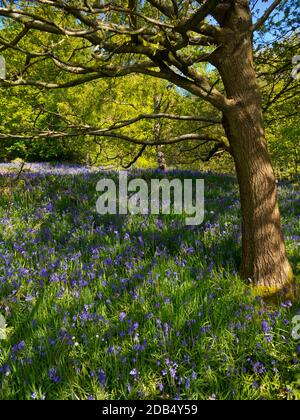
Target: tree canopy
[[59, 44]]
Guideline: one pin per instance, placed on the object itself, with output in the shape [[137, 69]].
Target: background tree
[[280, 103]]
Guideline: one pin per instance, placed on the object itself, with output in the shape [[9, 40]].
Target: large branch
[[160, 44], [94, 25], [100, 133], [126, 123], [17, 39], [267, 14], [163, 6], [104, 72], [107, 8], [193, 22], [122, 124], [199, 87], [194, 81]]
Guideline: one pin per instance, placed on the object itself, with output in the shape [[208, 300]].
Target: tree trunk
[[264, 259]]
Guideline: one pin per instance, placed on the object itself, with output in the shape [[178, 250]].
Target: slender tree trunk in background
[[264, 258], [88, 159], [157, 132]]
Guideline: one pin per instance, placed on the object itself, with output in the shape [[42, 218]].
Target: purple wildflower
[[134, 373], [53, 376], [265, 327], [102, 377], [160, 387], [122, 316]]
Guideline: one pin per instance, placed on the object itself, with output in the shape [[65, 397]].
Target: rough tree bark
[[264, 258]]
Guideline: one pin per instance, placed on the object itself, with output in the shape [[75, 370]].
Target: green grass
[[193, 329]]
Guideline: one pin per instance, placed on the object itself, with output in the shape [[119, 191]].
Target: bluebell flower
[[111, 350], [134, 373], [53, 376], [160, 387], [5, 369], [259, 367], [34, 396], [265, 327], [122, 316], [102, 377]]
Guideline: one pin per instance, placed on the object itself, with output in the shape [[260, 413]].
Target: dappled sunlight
[[143, 307]]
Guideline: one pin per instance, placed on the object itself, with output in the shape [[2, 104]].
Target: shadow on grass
[[204, 285]]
